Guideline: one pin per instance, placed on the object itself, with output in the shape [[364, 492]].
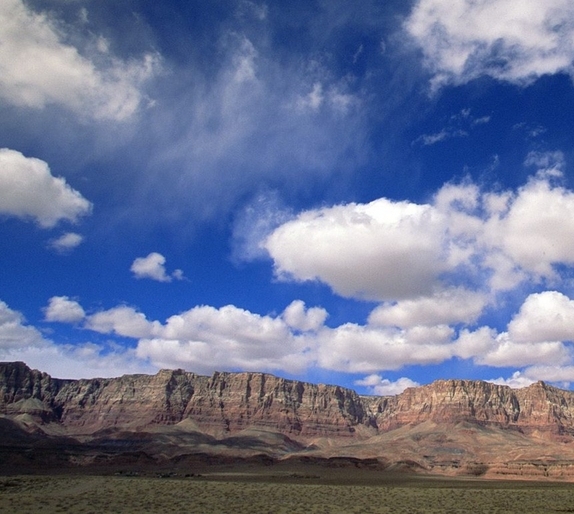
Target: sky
[[376, 194]]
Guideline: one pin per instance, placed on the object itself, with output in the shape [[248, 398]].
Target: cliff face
[[536, 407], [226, 402], [230, 402]]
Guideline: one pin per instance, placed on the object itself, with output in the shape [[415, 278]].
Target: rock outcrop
[[224, 402], [536, 407], [231, 402], [449, 426]]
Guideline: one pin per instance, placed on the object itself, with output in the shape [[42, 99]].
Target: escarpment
[[224, 402], [231, 402], [447, 427]]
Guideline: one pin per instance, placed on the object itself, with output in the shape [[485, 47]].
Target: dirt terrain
[[287, 488]]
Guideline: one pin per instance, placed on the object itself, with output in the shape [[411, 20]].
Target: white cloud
[[527, 342], [446, 307], [464, 39], [153, 267], [29, 190], [506, 353], [516, 381], [550, 373], [397, 251], [356, 348], [15, 333], [62, 309], [381, 250], [22, 342], [40, 68], [85, 360], [300, 318], [313, 100], [439, 264], [66, 242], [205, 338], [546, 316], [254, 223], [536, 231], [437, 137], [246, 114], [123, 321], [380, 386], [551, 164]]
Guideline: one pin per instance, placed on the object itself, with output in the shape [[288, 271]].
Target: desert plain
[[238, 489]]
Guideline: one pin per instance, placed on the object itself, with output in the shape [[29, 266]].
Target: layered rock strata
[[224, 402], [231, 402]]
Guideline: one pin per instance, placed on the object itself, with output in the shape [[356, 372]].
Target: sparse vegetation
[[477, 469], [257, 492]]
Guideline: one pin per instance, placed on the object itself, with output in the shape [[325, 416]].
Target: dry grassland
[[292, 494]]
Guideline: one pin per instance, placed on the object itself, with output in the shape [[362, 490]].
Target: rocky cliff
[[447, 427], [231, 402], [224, 402], [536, 407]]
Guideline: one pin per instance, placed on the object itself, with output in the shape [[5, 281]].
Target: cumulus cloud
[[153, 267], [381, 250], [299, 318], [39, 68], [549, 373], [29, 190], [123, 321], [436, 268], [461, 247], [486, 346], [446, 307], [20, 341], [206, 338], [464, 39], [86, 360], [62, 309], [546, 316], [355, 348], [380, 386], [535, 231], [66, 242], [516, 381], [15, 333]]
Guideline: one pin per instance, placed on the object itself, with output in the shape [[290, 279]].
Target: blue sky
[[374, 195]]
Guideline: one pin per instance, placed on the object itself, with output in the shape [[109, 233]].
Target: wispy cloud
[[459, 125]]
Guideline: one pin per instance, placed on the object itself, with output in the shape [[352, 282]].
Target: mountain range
[[452, 427]]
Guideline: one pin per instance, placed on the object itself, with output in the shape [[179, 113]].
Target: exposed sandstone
[[449, 426], [230, 402], [224, 402]]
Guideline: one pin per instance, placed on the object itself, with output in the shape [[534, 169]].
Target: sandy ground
[[293, 493]]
